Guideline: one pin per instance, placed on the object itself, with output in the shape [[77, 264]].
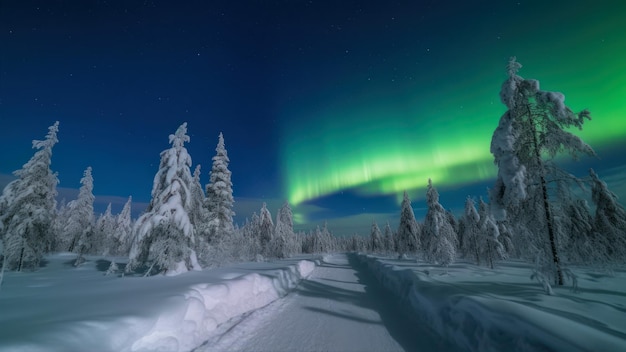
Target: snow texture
[[488, 311], [61, 308]]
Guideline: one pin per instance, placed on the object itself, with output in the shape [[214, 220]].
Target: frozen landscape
[[396, 184], [334, 302]]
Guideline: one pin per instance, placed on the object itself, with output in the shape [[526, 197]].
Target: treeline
[[537, 211], [185, 227]]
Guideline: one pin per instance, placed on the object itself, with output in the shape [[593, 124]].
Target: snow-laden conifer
[[199, 214], [28, 207], [164, 236], [266, 230], [377, 243], [80, 226], [408, 240], [105, 241], [124, 229], [582, 247], [471, 231], [609, 223], [388, 238], [283, 234], [439, 238], [219, 194], [530, 134]]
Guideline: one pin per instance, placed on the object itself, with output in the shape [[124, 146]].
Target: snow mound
[[199, 311], [106, 313], [476, 322]]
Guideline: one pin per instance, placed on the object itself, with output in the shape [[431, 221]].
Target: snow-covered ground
[[62, 308], [340, 307], [503, 310], [345, 303]]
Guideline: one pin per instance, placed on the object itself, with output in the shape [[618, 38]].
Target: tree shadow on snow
[[404, 328]]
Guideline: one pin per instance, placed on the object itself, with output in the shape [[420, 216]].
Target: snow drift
[[78, 309], [485, 322]]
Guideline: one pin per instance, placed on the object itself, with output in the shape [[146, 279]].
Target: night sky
[[336, 106]]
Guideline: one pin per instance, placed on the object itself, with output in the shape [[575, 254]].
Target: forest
[[535, 211]]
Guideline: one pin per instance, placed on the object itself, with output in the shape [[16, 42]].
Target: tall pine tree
[[530, 134], [219, 194], [408, 240], [164, 236], [28, 208]]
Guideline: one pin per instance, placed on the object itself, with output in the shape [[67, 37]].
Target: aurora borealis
[[376, 138], [337, 106]]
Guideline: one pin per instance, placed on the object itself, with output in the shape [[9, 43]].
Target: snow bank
[[61, 308], [192, 317], [479, 322]]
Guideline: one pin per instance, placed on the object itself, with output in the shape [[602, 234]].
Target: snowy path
[[340, 307]]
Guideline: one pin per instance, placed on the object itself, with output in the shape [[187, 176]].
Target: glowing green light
[[374, 140]]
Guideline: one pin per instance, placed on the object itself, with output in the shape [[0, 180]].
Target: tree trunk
[[546, 205], [555, 254], [21, 261]]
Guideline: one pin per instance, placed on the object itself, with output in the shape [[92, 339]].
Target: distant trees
[[377, 243], [470, 247], [439, 238], [164, 236], [219, 194], [609, 223], [408, 240], [80, 225], [282, 244], [124, 229], [530, 133], [28, 208], [388, 238]]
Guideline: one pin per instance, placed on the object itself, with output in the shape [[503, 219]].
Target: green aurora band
[[375, 142]]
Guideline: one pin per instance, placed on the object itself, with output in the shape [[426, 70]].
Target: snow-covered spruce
[[28, 208], [609, 223], [439, 239], [219, 195], [164, 236], [530, 134], [407, 237], [80, 226], [377, 245]]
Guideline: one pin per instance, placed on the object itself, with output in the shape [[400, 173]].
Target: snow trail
[[340, 307]]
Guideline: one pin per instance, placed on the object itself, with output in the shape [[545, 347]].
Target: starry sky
[[336, 106]]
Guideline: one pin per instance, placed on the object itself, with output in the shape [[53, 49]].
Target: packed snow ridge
[[479, 321], [168, 318], [191, 318]]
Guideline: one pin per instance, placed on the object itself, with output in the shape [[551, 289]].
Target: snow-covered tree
[[439, 238], [408, 240], [530, 134], [164, 236], [105, 241], [219, 194], [266, 229], [388, 239], [582, 246], [471, 231], [124, 229], [199, 215], [609, 223], [377, 243], [250, 233], [80, 226], [283, 234], [490, 247], [62, 240], [28, 207], [328, 241]]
